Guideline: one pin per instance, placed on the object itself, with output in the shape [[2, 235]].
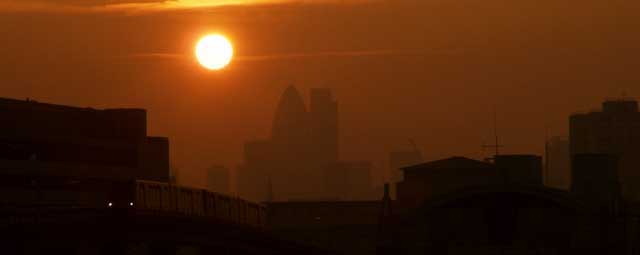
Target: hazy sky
[[431, 70]]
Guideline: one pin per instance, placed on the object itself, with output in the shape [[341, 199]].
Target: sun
[[214, 51]]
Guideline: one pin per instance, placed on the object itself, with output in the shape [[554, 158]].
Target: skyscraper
[[615, 130], [300, 160], [291, 120], [324, 126], [301, 145]]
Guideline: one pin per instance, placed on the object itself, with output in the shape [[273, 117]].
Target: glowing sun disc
[[214, 52]]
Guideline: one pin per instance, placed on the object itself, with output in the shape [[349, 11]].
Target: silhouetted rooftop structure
[[34, 119], [620, 105], [41, 138], [450, 163], [464, 206]]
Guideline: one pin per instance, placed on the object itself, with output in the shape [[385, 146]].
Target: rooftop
[[450, 163]]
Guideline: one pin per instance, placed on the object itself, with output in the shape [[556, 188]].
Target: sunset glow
[[214, 52]]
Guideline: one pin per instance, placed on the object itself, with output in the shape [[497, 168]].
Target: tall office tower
[[557, 163], [291, 123], [219, 179], [324, 126], [615, 130], [294, 174], [294, 163]]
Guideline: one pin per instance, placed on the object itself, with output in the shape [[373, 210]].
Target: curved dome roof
[[291, 116]]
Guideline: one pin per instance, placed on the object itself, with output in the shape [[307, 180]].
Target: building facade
[[615, 130], [463, 206], [47, 139]]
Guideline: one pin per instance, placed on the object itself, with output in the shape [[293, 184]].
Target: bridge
[[133, 231], [64, 215]]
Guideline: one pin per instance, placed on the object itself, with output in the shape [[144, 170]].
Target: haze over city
[[433, 71], [319, 127]]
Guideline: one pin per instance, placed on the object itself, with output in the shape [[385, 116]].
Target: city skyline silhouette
[[445, 66], [324, 127]]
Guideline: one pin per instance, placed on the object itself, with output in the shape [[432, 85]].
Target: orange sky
[[431, 70]]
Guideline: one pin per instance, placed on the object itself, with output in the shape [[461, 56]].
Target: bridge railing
[[168, 198]]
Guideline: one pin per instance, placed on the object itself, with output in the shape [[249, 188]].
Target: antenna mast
[[497, 144], [495, 132]]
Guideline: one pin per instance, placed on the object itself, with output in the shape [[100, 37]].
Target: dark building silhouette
[[47, 139], [463, 206], [219, 179], [399, 159], [520, 169], [557, 163], [286, 159], [86, 181], [435, 178], [614, 130], [300, 158], [595, 180]]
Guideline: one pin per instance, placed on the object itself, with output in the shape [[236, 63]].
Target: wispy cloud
[[305, 55], [360, 53], [156, 55], [137, 5]]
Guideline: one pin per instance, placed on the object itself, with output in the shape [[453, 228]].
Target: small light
[[131, 204], [110, 204]]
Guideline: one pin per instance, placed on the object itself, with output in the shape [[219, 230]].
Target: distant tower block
[[300, 153], [290, 124], [324, 125]]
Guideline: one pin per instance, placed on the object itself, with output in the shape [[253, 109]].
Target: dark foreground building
[[463, 206], [56, 140], [613, 130], [347, 227], [86, 181]]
